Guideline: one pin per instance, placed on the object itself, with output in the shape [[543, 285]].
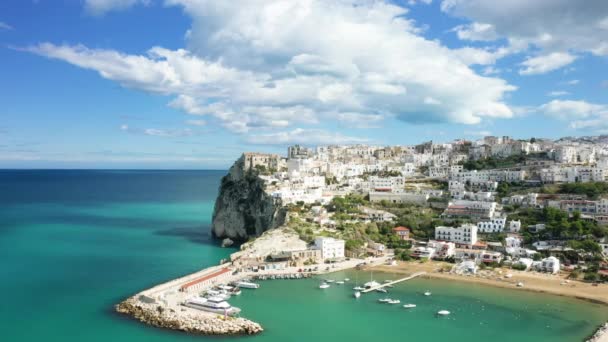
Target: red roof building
[[402, 232]]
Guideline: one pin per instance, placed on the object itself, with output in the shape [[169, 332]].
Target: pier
[[393, 282]]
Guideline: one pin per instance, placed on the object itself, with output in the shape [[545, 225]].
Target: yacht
[[324, 286], [340, 282], [371, 284], [394, 301], [384, 300], [357, 294], [409, 306], [346, 279], [247, 285], [358, 288], [443, 313], [215, 305], [427, 293], [329, 281]]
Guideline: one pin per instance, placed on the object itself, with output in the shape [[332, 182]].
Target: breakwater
[[187, 320]]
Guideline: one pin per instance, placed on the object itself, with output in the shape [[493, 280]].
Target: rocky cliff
[[243, 208]]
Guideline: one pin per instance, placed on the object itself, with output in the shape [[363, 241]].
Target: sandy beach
[[533, 281]]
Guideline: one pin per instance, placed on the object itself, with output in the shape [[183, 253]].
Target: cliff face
[[242, 208]]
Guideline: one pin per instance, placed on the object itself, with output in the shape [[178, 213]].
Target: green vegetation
[[493, 163], [592, 190], [558, 225]]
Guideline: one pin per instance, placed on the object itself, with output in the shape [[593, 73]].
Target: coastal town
[[526, 214]]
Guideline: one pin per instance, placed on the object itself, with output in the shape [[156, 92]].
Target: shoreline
[[533, 282]]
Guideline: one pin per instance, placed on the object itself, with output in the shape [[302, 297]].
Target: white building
[[550, 264], [330, 248], [465, 234], [495, 225], [514, 226]]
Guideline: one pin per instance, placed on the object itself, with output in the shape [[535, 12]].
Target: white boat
[[358, 288], [394, 301], [508, 275], [329, 280], [381, 290], [339, 282], [346, 279], [215, 305], [371, 284], [520, 284], [357, 294], [226, 287], [427, 293], [384, 300], [247, 285], [409, 306], [443, 312], [236, 292], [324, 286]]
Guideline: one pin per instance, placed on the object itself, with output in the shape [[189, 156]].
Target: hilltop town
[[532, 204]]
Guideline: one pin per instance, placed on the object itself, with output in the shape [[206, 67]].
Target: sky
[[191, 84]]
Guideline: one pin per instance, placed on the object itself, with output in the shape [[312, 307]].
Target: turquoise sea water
[[73, 243]]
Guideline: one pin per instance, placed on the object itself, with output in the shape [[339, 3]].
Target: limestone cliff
[[243, 208]]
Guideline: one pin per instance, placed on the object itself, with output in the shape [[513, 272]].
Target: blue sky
[[192, 84]]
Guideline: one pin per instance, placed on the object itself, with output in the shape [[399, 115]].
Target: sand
[[533, 281]]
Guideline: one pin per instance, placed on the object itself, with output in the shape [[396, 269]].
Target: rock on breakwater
[[243, 208], [601, 334], [199, 323]]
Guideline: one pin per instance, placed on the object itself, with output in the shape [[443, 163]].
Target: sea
[[75, 242]]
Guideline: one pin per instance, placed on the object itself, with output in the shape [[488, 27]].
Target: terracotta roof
[[202, 279], [401, 229]]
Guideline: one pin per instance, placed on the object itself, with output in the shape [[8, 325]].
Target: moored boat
[[324, 286], [358, 288], [427, 293], [247, 285], [394, 301], [443, 313], [409, 306], [357, 294]]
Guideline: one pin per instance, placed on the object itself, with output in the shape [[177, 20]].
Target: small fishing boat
[[340, 282], [329, 281], [409, 306], [394, 301], [346, 279], [357, 294], [427, 293], [324, 286], [443, 313], [384, 300], [358, 288]]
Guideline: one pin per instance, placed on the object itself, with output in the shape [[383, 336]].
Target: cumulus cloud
[[476, 32], [277, 64], [573, 109], [546, 63], [554, 25], [304, 137], [101, 7]]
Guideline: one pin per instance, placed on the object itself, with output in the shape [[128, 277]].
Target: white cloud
[[481, 133], [166, 133], [571, 109], [549, 26], [572, 82], [304, 137], [476, 32], [101, 7], [546, 63], [273, 64], [5, 26], [557, 93]]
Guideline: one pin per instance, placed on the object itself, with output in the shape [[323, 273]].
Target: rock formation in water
[[243, 208]]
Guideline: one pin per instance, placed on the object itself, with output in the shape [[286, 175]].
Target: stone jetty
[[190, 321], [601, 334]]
